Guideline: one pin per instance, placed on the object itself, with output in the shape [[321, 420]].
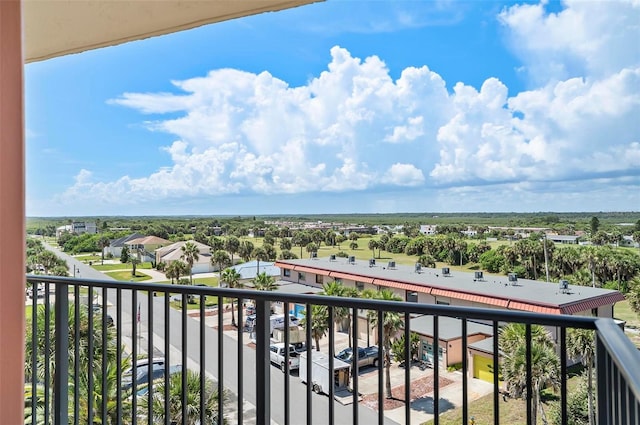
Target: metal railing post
[[61, 383], [263, 363]]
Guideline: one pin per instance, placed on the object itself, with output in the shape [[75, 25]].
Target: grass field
[[623, 311], [119, 266], [125, 275], [209, 281], [512, 411], [87, 257]]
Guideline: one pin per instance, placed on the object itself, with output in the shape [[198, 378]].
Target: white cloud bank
[[354, 128]]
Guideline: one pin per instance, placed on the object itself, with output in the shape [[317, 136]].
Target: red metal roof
[[586, 305], [517, 305], [576, 307], [401, 285], [339, 275], [311, 270], [470, 297]]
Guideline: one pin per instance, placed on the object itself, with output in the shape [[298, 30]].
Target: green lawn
[[210, 302], [87, 257], [125, 275], [623, 311], [512, 411], [209, 281], [119, 266]]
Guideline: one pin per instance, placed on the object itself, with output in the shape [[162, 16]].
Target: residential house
[[115, 245], [77, 228], [173, 252], [144, 247], [564, 239], [428, 229]]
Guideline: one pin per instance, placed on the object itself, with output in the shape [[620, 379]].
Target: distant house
[[564, 239], [77, 228], [116, 245], [629, 242], [173, 252], [251, 269], [145, 246], [428, 229]]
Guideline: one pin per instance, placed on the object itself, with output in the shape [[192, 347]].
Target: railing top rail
[[359, 303], [622, 351]]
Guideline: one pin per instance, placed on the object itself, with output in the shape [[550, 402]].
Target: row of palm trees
[[391, 321], [90, 387]]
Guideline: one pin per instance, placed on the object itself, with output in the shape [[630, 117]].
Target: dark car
[[97, 312], [143, 378]]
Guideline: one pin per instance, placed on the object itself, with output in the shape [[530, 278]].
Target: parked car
[[142, 380], [38, 292], [97, 311], [366, 356], [277, 352]]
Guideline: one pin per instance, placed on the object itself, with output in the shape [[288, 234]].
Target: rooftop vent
[[564, 286], [372, 262], [513, 278], [446, 271], [478, 276], [418, 268], [352, 259], [392, 265], [332, 257]]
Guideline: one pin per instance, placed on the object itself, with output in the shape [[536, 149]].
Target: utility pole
[[546, 258]]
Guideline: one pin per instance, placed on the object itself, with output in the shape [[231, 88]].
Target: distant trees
[[594, 225]]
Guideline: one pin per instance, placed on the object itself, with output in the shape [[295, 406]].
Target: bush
[[342, 254]]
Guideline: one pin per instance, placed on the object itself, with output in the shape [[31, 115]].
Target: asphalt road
[[320, 407]]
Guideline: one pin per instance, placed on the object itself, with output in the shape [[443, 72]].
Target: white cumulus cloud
[[354, 128]]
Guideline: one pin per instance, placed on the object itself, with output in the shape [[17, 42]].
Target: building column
[[12, 215]]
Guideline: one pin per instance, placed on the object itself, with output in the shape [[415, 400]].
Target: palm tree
[[101, 371], [232, 245], [335, 289], [245, 250], [190, 254], [260, 254], [232, 278], [580, 345], [373, 244], [634, 294], [319, 323], [264, 282], [545, 365], [175, 269], [391, 323], [103, 242], [311, 248], [193, 407], [221, 259]]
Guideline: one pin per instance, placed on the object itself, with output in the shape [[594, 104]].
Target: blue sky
[[348, 107]]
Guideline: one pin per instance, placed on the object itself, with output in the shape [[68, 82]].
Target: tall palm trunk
[[387, 373], [590, 395], [233, 315]]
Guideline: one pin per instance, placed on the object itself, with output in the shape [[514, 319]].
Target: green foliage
[[492, 261], [397, 347], [577, 406], [124, 255]]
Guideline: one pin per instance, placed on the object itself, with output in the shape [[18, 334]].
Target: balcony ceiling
[[57, 28]]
